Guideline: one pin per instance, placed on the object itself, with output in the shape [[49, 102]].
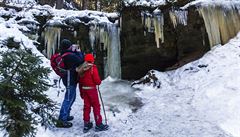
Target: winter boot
[[70, 118], [101, 127], [87, 126], [63, 124]]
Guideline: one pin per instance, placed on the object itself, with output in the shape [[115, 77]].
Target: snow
[[60, 16], [147, 3], [224, 3], [95, 16], [200, 99], [156, 3]]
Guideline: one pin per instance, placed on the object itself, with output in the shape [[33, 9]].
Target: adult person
[[71, 59]]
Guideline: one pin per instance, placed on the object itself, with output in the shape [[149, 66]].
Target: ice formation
[[154, 23], [178, 17], [221, 23], [108, 36], [51, 40]]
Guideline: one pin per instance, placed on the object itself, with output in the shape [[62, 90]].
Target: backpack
[[57, 63]]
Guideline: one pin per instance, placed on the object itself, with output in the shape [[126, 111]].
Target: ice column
[[222, 23], [51, 40], [113, 54]]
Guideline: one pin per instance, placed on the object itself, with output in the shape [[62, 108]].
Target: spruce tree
[[23, 104]]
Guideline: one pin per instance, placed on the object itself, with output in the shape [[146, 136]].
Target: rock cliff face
[[169, 36], [180, 43]]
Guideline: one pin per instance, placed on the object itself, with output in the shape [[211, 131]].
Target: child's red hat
[[89, 58]]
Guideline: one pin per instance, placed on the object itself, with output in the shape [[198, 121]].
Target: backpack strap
[[66, 53]]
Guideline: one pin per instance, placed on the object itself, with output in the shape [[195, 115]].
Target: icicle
[[143, 22], [92, 36], [158, 28], [75, 34], [173, 18], [221, 23], [104, 37], [120, 23], [51, 40], [148, 23], [178, 17]]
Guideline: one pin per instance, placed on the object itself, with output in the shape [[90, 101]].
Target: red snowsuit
[[89, 93]]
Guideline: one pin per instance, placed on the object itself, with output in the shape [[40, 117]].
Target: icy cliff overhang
[[61, 17], [64, 17], [19, 2]]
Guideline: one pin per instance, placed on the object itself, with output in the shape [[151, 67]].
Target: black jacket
[[71, 61]]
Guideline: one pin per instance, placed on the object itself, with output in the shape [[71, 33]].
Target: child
[[88, 91]]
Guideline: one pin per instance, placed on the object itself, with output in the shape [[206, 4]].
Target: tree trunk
[[59, 4], [96, 5], [85, 4]]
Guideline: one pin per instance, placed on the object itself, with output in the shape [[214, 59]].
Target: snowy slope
[[204, 94]]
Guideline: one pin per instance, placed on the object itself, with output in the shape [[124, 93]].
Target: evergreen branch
[[15, 70]]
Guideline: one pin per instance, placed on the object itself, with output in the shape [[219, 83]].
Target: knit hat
[[89, 58], [65, 44]]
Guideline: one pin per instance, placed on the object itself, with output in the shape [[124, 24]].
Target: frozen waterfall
[[109, 36], [113, 57]]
